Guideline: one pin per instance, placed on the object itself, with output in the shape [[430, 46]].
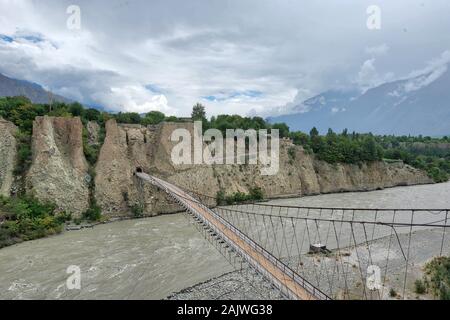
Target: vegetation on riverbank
[[255, 194], [436, 280], [25, 218], [429, 154]]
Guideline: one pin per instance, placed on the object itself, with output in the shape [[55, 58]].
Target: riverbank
[[155, 258]]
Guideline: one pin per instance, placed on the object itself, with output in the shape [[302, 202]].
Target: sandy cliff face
[[127, 147], [302, 174], [59, 171], [117, 191], [8, 155], [372, 176]]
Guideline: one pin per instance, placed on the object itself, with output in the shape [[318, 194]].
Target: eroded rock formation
[[117, 191], [8, 155], [128, 147], [59, 171], [302, 174]]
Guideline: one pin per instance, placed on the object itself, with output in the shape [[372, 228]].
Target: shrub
[[238, 197], [91, 152], [26, 218], [392, 293], [419, 287], [437, 277], [23, 153], [63, 217], [221, 198], [291, 153], [256, 194], [137, 211], [94, 213]]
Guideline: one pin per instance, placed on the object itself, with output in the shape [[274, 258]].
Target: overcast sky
[[241, 56]]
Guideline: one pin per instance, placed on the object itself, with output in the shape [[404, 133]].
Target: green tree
[[299, 138], [76, 109], [128, 117], [198, 112], [314, 132], [283, 129], [153, 117], [92, 114]]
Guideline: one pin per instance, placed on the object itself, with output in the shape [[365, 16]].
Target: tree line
[[431, 154]]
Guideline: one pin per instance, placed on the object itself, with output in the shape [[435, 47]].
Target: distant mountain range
[[419, 105], [13, 87]]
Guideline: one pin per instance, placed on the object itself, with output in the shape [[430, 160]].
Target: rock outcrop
[[59, 171], [302, 174], [8, 155], [117, 191], [93, 130], [128, 147]]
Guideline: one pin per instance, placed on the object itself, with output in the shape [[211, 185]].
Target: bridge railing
[[185, 200], [336, 252], [348, 249], [398, 242]]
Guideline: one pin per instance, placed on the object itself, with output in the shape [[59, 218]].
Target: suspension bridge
[[311, 253]]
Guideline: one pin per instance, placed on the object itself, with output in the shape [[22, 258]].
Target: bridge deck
[[283, 277]]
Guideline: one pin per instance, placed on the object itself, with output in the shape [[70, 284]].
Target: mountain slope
[[13, 87], [412, 106], [320, 111]]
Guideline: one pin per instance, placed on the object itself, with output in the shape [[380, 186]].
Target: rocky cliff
[[302, 174], [8, 155], [128, 147], [59, 171]]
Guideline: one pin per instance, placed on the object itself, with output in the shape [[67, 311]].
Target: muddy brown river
[[154, 257]]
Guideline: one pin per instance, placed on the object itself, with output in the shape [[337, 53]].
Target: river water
[[152, 258]]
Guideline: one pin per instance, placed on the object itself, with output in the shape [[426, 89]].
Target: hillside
[[12, 87], [415, 106]]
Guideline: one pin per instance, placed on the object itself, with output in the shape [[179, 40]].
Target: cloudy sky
[[234, 56]]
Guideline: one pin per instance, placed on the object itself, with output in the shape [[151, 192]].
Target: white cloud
[[433, 71], [134, 98], [221, 46], [369, 77], [377, 50]]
